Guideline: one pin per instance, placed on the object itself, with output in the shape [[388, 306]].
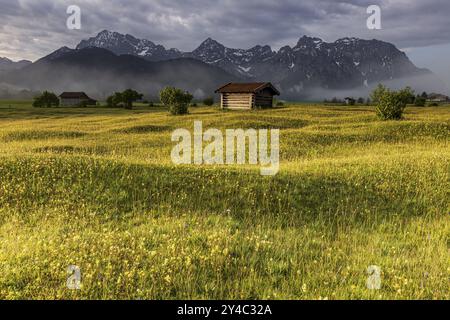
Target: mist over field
[[427, 82]]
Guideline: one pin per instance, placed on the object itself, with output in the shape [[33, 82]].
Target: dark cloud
[[32, 28]]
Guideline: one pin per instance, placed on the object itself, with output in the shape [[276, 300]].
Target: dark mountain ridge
[[101, 72], [113, 61], [345, 64]]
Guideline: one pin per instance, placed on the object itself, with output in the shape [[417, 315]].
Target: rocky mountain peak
[[127, 44], [210, 45], [346, 63]]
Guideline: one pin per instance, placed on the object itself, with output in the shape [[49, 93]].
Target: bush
[[176, 100], [46, 100], [208, 101], [115, 100], [124, 99], [390, 105], [129, 96]]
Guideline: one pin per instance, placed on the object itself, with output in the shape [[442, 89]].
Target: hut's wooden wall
[[65, 102], [264, 99], [238, 100]]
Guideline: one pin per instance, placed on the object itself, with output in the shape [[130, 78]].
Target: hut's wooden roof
[[74, 95], [253, 87]]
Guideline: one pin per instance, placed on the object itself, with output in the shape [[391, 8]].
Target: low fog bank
[[199, 79], [100, 79], [428, 83]]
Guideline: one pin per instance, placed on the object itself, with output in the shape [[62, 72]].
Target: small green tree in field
[[46, 100], [379, 91], [390, 105], [408, 95], [176, 100], [129, 96], [123, 99], [208, 101], [115, 100]]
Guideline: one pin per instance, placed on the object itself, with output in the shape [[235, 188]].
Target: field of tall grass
[[96, 188]]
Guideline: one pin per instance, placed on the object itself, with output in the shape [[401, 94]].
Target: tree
[[208, 101], [407, 95], [361, 100], [129, 96], [390, 105], [424, 95], [176, 100], [115, 100], [46, 99], [124, 99], [379, 91]]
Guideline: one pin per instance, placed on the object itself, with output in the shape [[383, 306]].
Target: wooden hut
[[247, 95], [71, 99]]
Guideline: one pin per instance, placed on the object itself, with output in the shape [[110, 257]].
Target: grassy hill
[[96, 188]]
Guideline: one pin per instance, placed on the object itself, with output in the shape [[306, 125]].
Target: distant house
[[436, 97], [71, 99], [247, 95]]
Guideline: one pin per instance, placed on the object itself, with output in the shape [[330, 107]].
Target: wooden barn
[[247, 95], [72, 99]]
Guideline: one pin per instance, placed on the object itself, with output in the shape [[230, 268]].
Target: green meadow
[[96, 188]]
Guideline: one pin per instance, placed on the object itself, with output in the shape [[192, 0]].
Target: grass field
[[96, 188]]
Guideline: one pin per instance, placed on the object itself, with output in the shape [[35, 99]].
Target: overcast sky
[[30, 29]]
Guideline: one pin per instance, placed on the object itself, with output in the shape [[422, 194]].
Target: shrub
[[379, 91], [176, 100], [129, 96], [208, 101], [390, 105], [280, 104], [124, 99], [115, 100], [46, 99]]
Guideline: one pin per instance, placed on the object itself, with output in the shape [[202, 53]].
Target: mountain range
[[7, 65], [111, 61], [100, 72]]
